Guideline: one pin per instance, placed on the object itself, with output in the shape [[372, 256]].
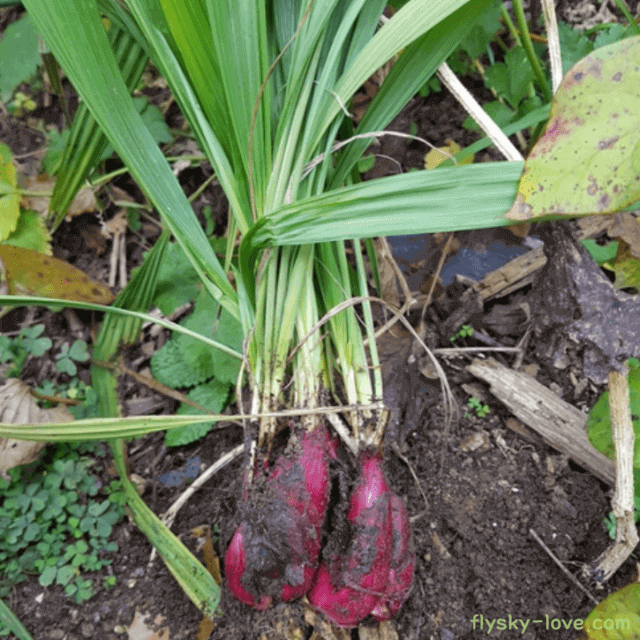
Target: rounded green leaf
[[616, 617], [47, 576], [78, 351], [65, 574], [587, 160]]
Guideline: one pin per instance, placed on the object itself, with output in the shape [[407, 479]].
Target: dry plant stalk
[[622, 503]]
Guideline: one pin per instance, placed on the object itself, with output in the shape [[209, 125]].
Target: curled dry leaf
[[17, 406]]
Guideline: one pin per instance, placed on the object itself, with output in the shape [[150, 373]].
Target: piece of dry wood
[[622, 503], [561, 425], [511, 276]]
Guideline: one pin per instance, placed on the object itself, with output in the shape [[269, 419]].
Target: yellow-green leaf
[[9, 202], [616, 617], [34, 273], [9, 214], [31, 233], [436, 157], [588, 159]]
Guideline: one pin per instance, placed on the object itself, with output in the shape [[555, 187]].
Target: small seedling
[[610, 522], [108, 582], [466, 331], [481, 410], [21, 103], [27, 343]]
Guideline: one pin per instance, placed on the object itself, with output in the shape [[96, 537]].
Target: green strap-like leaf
[[74, 33], [53, 302], [87, 142], [414, 19], [14, 625], [468, 197], [415, 66]]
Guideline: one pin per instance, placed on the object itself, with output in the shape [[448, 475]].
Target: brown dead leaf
[[211, 560], [141, 627], [84, 201], [212, 563], [17, 406], [117, 225], [388, 272], [32, 273], [626, 227], [284, 628], [322, 629], [520, 230], [205, 629]]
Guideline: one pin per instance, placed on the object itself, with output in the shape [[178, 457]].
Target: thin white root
[[169, 517]]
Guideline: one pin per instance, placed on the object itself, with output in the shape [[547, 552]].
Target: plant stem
[[509, 22], [622, 5], [528, 47]]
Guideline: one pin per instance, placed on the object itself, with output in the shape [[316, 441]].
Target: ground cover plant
[[56, 523], [271, 139]]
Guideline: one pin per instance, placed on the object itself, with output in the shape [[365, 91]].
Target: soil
[[473, 494]]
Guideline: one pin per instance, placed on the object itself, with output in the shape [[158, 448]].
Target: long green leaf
[[74, 33], [87, 142], [467, 197], [16, 301], [133, 426], [14, 625], [419, 61], [190, 574], [233, 184], [414, 19], [101, 428]]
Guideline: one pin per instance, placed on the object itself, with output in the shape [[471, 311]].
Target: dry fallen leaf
[[17, 406], [384, 631], [436, 157], [388, 272], [84, 201], [625, 226], [117, 225], [141, 627], [32, 273]]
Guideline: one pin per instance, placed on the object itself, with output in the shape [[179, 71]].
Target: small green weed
[[55, 523], [21, 104], [77, 352], [466, 331], [513, 80], [481, 410], [30, 342], [27, 343]]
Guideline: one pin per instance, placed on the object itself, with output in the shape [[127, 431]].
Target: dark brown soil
[[476, 558]]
